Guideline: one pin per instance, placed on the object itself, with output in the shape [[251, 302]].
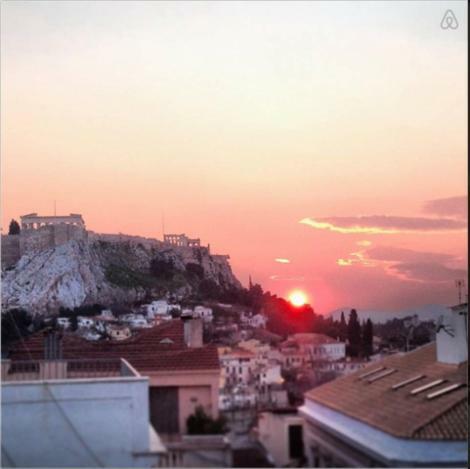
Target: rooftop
[[33, 370], [402, 395], [160, 348], [313, 338]]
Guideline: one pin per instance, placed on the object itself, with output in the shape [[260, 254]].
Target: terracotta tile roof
[[237, 352], [313, 338], [397, 411], [144, 351]]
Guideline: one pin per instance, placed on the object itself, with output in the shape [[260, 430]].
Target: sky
[[322, 145]]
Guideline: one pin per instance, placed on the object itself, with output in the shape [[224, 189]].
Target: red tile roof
[[144, 351], [397, 411]]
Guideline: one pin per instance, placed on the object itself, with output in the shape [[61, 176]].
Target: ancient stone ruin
[[39, 233]]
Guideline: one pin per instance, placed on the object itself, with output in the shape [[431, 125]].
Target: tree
[[343, 328], [200, 423], [14, 228], [162, 269], [367, 338], [15, 325], [354, 334], [195, 270]]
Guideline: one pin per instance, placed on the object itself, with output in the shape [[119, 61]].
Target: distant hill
[[425, 313]]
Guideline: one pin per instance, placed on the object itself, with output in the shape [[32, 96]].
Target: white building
[[318, 346], [64, 322], [238, 366], [85, 321], [107, 313], [160, 307], [204, 312], [271, 374], [256, 321], [94, 421]]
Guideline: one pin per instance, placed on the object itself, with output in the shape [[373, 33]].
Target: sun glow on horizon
[[298, 298]]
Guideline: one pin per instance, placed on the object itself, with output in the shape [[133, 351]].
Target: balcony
[[34, 370]]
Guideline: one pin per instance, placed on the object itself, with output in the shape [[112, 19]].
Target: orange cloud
[[364, 243], [383, 224], [282, 260], [345, 230]]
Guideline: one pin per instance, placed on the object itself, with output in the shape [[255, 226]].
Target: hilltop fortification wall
[[149, 243], [38, 239], [10, 250]]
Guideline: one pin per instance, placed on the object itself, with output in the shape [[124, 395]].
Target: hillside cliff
[[82, 272]]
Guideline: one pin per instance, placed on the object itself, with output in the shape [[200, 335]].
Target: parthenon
[[34, 221]]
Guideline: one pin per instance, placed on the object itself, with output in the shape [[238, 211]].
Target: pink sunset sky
[[322, 145]]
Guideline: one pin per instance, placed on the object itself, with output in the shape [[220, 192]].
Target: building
[[39, 233], [118, 332], [85, 321], [77, 413], [280, 431], [159, 307], [182, 374], [406, 410], [253, 320], [204, 312], [33, 221], [318, 346], [64, 322], [181, 240], [238, 366]]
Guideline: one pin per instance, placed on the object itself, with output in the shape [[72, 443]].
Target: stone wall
[[45, 237], [10, 250], [149, 243]]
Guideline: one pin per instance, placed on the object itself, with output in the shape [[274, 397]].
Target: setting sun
[[298, 298]]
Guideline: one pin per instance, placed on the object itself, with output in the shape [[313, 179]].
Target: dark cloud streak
[[450, 206]]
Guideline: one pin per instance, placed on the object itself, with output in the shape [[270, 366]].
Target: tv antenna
[[460, 284]]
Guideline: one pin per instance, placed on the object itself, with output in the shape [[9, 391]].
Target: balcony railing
[[31, 370]]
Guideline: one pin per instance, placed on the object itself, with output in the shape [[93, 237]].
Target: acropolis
[[41, 232], [34, 221]]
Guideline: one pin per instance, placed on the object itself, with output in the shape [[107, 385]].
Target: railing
[[25, 370]]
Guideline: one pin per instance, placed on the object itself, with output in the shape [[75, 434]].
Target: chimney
[[192, 331], [52, 344], [452, 335]]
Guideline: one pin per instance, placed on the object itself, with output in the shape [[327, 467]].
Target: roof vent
[[407, 381], [369, 373], [446, 390], [427, 386], [381, 375], [166, 340]]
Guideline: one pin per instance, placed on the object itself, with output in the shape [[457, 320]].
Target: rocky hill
[[82, 272]]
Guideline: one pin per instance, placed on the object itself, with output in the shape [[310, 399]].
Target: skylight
[[445, 390], [427, 386], [407, 381]]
